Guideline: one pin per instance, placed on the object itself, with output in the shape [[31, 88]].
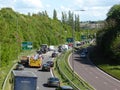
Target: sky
[[94, 10]]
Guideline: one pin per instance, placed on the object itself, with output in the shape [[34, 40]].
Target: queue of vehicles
[[26, 80]]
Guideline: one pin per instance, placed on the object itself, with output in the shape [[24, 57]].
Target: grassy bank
[[104, 63], [5, 70]]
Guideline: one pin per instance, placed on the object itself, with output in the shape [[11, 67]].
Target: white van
[[65, 47]]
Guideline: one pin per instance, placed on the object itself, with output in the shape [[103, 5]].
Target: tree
[[114, 13], [77, 23], [64, 18], [70, 18], [55, 15]]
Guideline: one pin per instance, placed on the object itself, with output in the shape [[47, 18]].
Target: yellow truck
[[35, 62]]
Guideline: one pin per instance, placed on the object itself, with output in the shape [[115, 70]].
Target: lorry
[[31, 61], [23, 80], [35, 63]]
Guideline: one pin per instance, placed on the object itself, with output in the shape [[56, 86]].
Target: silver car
[[19, 67]]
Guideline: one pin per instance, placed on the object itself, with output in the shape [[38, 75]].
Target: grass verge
[[65, 73]]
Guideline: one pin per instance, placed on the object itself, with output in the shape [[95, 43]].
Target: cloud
[[28, 4], [6, 3], [63, 8], [48, 6], [25, 6]]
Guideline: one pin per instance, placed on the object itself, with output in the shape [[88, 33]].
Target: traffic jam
[[30, 70]]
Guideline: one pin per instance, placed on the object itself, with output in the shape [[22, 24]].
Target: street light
[[73, 36]]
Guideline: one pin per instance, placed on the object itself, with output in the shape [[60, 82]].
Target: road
[[42, 75], [91, 74]]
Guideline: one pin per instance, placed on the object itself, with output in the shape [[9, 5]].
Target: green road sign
[[69, 40], [83, 37], [27, 45]]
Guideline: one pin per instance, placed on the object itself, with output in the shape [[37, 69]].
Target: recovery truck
[[35, 62]]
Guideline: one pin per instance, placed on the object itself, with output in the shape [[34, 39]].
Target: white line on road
[[51, 72]]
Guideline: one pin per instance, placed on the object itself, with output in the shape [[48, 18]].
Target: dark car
[[53, 81], [19, 67], [46, 67], [51, 63], [54, 54], [60, 49], [44, 48], [85, 50], [64, 88], [83, 55]]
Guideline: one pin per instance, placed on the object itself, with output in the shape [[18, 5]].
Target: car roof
[[45, 64], [49, 61], [53, 78]]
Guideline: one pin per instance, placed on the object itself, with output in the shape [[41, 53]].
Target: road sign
[[26, 45], [83, 37], [69, 40]]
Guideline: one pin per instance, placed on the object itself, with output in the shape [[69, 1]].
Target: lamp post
[[73, 36]]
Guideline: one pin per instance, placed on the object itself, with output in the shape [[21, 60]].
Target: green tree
[[55, 15], [77, 23], [70, 19], [108, 38], [64, 18], [114, 13]]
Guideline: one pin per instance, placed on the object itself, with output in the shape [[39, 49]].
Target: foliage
[[37, 28], [108, 39], [69, 20], [114, 13], [55, 15]]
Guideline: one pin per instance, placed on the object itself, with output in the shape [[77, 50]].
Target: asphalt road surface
[[91, 74], [42, 75]]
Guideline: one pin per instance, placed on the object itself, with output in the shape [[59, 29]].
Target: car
[[82, 55], [44, 48], [51, 63], [53, 81], [39, 52], [19, 67], [85, 50], [60, 49], [51, 48], [54, 54], [64, 88], [46, 67]]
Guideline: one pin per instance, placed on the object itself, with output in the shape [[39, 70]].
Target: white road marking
[[105, 82], [51, 73], [96, 77]]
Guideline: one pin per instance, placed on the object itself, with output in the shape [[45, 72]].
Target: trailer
[[23, 80]]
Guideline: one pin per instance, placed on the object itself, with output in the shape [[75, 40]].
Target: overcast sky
[[94, 9]]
